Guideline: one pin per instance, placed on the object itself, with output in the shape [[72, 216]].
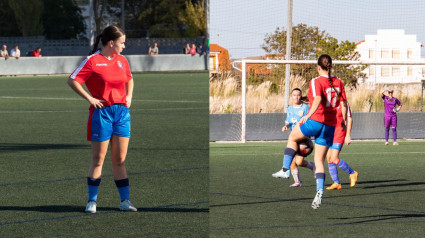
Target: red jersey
[[339, 117], [105, 79], [35, 53], [326, 112]]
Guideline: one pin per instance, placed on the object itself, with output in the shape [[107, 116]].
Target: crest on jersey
[[300, 113], [120, 64]]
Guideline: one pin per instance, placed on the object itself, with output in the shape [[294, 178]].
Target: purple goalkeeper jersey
[[390, 103]]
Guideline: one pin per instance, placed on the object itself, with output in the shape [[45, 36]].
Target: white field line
[[80, 99], [85, 111]]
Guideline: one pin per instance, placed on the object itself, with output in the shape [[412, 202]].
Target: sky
[[241, 25]]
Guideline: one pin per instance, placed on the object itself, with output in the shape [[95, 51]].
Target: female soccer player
[[390, 116], [325, 94], [294, 114], [107, 76], [341, 135]]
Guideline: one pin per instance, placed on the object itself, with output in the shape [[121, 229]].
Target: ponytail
[[325, 62], [96, 43]]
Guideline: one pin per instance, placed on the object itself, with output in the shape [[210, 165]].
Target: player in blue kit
[[293, 115]]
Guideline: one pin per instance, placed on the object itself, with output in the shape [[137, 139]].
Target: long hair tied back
[[110, 33], [325, 62]]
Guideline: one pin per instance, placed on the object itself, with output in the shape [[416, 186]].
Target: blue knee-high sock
[[333, 171], [395, 134], [320, 181], [93, 187], [344, 166], [287, 158], [123, 188], [387, 133]]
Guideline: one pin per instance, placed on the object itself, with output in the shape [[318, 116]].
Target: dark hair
[[110, 33], [302, 99], [325, 62]]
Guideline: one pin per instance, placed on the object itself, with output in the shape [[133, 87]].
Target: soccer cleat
[[395, 143], [127, 206], [317, 200], [386, 143], [334, 186], [353, 178], [295, 185], [281, 174], [91, 207]]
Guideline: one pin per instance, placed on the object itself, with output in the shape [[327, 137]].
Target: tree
[[309, 43], [62, 20], [194, 18], [9, 27], [28, 14]]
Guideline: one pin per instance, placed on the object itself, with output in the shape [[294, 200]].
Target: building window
[[409, 71], [385, 71], [371, 71], [396, 53], [371, 53], [409, 53], [385, 53], [396, 71]]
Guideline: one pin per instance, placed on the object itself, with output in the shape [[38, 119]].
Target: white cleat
[[296, 185], [127, 206], [91, 207], [386, 143], [317, 200], [281, 174]]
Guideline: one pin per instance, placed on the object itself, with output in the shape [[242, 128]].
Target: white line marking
[[373, 153], [131, 110], [80, 99]]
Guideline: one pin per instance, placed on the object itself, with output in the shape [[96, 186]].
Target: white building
[[391, 45]]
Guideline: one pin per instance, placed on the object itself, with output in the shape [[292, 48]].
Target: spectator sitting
[[193, 50], [186, 50], [4, 53], [200, 50], [15, 52], [36, 52], [153, 50]]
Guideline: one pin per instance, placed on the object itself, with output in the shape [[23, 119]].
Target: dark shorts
[[390, 121], [108, 121]]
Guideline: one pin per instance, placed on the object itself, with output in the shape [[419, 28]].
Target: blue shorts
[[336, 146], [323, 134], [107, 121]]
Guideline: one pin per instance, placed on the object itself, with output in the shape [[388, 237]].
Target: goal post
[[243, 68]]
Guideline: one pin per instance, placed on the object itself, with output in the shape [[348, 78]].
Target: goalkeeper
[[390, 116]]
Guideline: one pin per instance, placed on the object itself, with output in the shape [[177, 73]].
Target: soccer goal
[[263, 82]]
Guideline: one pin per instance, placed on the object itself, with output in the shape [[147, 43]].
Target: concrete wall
[[267, 126], [67, 64]]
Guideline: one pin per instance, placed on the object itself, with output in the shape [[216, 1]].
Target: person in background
[[390, 116], [4, 53], [192, 50], [15, 52], [186, 49], [36, 52], [200, 50], [154, 50]]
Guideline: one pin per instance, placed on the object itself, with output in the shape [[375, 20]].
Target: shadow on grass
[[379, 217], [66, 208], [28, 147]]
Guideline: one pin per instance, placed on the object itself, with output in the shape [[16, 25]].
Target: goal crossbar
[[243, 63]]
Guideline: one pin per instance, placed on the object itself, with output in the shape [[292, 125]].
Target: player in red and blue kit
[[325, 94], [342, 134], [108, 78], [390, 116]]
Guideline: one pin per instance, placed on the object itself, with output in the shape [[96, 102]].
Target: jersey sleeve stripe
[[313, 87], [77, 70]]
